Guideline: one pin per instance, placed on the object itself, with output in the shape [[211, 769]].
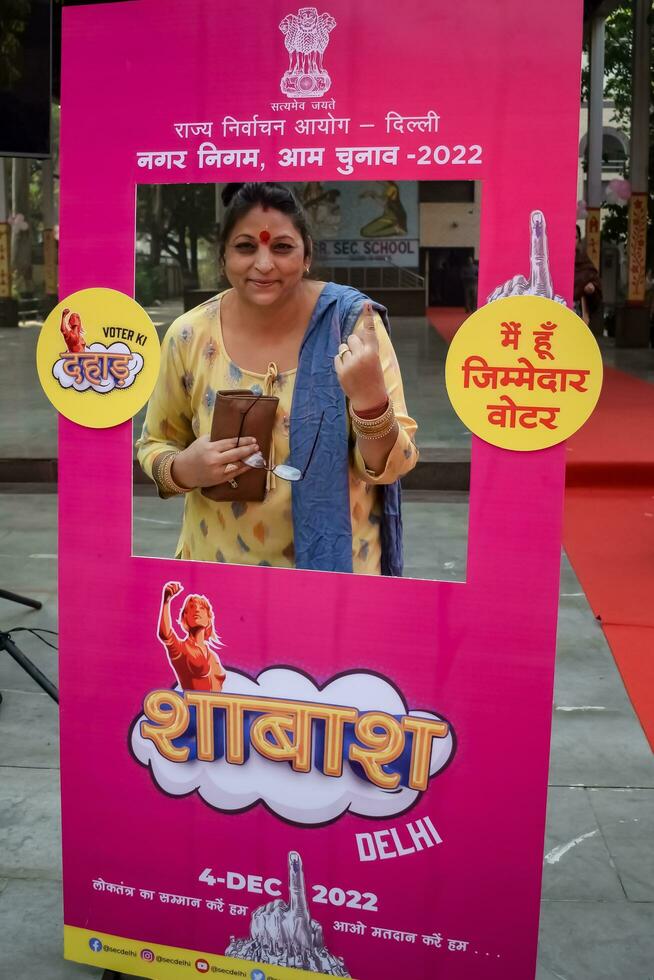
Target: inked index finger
[[366, 327], [540, 280], [366, 321], [368, 317], [297, 895]]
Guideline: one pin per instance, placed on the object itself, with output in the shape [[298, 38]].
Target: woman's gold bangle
[[374, 428], [377, 423], [386, 431], [163, 475]]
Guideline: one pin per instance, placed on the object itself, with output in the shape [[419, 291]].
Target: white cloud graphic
[[305, 798], [104, 384]]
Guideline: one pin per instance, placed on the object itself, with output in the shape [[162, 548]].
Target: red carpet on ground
[[609, 520], [446, 319], [619, 433], [633, 649], [609, 528]]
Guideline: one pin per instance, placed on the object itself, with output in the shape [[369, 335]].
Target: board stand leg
[[8, 645]]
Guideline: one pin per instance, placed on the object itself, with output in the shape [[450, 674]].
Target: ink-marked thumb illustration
[[306, 35], [285, 934], [73, 331], [193, 655], [540, 279]]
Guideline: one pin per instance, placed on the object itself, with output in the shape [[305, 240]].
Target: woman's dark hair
[[239, 199]]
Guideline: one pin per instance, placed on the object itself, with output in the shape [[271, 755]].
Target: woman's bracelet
[[377, 435], [162, 471], [377, 428]]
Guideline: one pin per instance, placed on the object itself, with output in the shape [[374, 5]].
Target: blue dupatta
[[322, 528]]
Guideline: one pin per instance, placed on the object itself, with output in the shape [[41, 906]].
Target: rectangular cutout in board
[[336, 783], [375, 235]]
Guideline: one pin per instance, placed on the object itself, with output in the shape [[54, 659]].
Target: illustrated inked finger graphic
[[540, 278], [285, 934]]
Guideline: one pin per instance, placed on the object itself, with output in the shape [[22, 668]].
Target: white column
[[8, 306], [632, 327], [220, 207], [21, 238], [5, 240], [47, 182], [220, 214], [3, 193], [595, 135], [639, 157], [640, 98], [49, 222]]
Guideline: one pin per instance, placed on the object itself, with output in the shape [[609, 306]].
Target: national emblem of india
[[306, 35]]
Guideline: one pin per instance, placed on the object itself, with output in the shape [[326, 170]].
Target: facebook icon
[[95, 945]]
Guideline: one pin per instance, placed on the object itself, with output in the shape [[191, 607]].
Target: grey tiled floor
[[435, 533], [597, 911]]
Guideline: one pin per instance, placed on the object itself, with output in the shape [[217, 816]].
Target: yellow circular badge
[[523, 373], [98, 357]]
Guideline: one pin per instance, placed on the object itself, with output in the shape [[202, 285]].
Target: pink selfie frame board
[[479, 654]]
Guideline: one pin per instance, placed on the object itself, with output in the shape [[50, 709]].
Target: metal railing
[[386, 276], [30, 308]]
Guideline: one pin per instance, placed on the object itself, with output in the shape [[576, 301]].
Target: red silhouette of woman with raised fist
[[73, 331], [194, 657]]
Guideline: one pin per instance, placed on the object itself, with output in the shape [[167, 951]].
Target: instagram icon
[[147, 955]]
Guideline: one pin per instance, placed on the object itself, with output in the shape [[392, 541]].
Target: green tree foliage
[[618, 53], [173, 218], [618, 43], [13, 21]]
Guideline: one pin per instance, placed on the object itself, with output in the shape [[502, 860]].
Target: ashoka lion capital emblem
[[306, 35]]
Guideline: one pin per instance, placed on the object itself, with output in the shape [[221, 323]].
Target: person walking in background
[[470, 277], [587, 285]]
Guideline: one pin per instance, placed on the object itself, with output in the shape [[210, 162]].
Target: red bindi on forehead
[[264, 236]]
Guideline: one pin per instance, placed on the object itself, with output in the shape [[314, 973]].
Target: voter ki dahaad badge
[[98, 357], [523, 373]]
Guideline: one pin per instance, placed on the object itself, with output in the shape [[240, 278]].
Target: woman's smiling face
[[264, 256]]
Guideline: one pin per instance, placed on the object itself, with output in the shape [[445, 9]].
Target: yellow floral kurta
[[194, 366]]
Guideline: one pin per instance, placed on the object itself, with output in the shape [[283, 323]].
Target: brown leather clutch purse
[[243, 413]]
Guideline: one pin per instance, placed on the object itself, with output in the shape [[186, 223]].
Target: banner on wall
[[369, 224], [272, 773]]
